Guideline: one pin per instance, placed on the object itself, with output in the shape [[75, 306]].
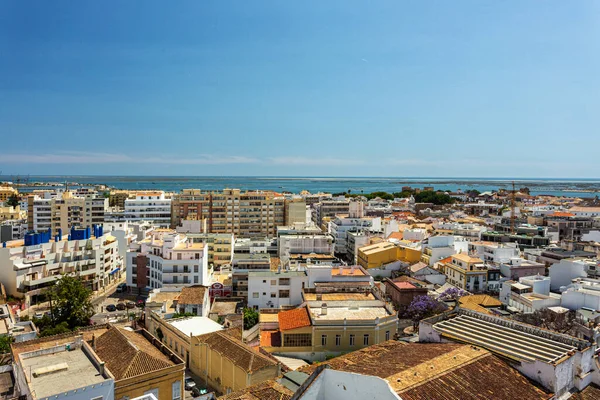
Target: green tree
[[71, 302], [250, 318], [12, 201], [5, 342], [62, 327]]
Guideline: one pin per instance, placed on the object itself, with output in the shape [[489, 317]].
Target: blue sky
[[314, 88]]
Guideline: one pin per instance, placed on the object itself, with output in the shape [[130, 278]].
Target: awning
[[114, 271]]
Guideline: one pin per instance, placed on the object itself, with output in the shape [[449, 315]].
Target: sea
[[555, 187]]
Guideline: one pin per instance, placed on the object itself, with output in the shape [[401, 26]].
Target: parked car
[[130, 304], [121, 287], [121, 306], [197, 392], [189, 383], [111, 308]]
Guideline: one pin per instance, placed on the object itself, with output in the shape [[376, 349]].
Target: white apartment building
[[494, 252], [304, 244], [529, 294], [563, 272], [27, 271], [583, 292], [167, 259], [436, 248], [149, 206], [354, 241], [414, 234], [341, 225], [467, 230], [275, 289]]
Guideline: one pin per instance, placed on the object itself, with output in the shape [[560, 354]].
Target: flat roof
[[79, 372], [339, 296], [282, 274], [196, 325], [350, 313]]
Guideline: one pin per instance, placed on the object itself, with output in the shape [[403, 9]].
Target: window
[[297, 340], [175, 268], [387, 335], [195, 279], [195, 269], [195, 310], [179, 256], [351, 340], [273, 282], [176, 390], [284, 294], [152, 391], [284, 281], [366, 340], [264, 281], [186, 269], [338, 340], [171, 342], [255, 295], [323, 340], [176, 347], [175, 280], [273, 295]]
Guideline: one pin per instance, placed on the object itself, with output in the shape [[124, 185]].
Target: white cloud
[[138, 158]]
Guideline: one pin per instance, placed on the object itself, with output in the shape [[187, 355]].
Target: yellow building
[[6, 192], [140, 364], [465, 272], [7, 213], [227, 364], [330, 323], [220, 246], [382, 253]]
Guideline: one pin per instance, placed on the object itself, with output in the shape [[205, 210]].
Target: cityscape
[[317, 200]]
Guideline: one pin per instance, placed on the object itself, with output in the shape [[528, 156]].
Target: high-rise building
[[64, 211], [256, 213], [148, 206]]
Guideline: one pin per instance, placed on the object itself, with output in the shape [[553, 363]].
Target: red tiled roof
[[292, 319], [561, 214], [270, 338], [396, 235], [404, 285]]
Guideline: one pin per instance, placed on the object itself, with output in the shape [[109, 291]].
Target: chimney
[[101, 368], [324, 309]]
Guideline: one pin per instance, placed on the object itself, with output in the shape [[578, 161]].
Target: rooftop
[[511, 339], [73, 369], [192, 295], [466, 258], [195, 325], [128, 354], [437, 371], [293, 319], [338, 313], [268, 390], [188, 246], [341, 296], [348, 271], [282, 274], [237, 352]]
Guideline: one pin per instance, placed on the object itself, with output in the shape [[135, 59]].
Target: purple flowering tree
[[423, 307], [453, 293]]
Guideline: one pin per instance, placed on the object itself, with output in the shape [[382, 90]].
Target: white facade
[[275, 289], [563, 272], [495, 252], [440, 247], [29, 270], [339, 227], [416, 234], [171, 260], [582, 293], [304, 244], [328, 273], [149, 206], [591, 236]]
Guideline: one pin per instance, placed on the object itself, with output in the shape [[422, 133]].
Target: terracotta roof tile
[[481, 299], [192, 295], [236, 351], [268, 390], [292, 319], [128, 354], [592, 392]]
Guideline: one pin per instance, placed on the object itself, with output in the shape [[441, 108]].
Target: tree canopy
[[12, 201], [250, 318], [423, 307]]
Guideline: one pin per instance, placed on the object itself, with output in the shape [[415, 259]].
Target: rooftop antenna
[[512, 209]]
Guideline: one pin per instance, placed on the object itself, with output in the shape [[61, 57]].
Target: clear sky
[[305, 88]]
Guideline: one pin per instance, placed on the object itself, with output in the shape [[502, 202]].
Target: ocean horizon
[[580, 187]]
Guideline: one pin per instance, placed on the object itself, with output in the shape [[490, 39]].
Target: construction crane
[[512, 208]]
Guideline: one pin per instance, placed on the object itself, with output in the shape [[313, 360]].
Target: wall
[[331, 384], [162, 380]]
